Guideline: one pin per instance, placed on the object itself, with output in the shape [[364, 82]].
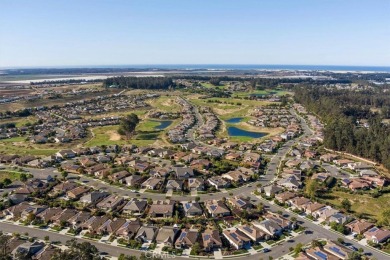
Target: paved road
[[39, 233], [318, 231], [278, 251]]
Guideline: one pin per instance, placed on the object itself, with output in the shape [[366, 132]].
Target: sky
[[121, 32]]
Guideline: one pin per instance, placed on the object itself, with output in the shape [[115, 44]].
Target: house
[[77, 192], [79, 219], [128, 229], [359, 226], [135, 207], [285, 196], [64, 187], [232, 156], [63, 216], [94, 223], [211, 240], [146, 234], [328, 157], [318, 253], [47, 214], [174, 185], [236, 238], [32, 210], [28, 249], [110, 203], [377, 235], [160, 172], [269, 227], [218, 182], [16, 211], [93, 197], [254, 233], [290, 183], [217, 208], [66, 154], [271, 190], [338, 218], [324, 213], [187, 238], [111, 226], [283, 222], [298, 203], [195, 184], [133, 180], [183, 172], [167, 235], [200, 164], [312, 207], [46, 253], [359, 184], [152, 183], [240, 203], [342, 162], [161, 209], [192, 209], [236, 176], [339, 251], [95, 169], [118, 176]]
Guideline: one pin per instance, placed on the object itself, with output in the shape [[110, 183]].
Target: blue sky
[[117, 32]]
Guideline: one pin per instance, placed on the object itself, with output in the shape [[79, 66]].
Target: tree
[[260, 207], [298, 248], [195, 249], [316, 243], [311, 189], [76, 250], [7, 182], [126, 257], [5, 241], [384, 218], [346, 204], [23, 177], [46, 238], [64, 174], [128, 124]]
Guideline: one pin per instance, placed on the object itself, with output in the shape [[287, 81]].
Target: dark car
[[266, 250]]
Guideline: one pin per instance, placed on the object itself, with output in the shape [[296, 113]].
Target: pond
[[163, 124], [234, 131], [234, 120]]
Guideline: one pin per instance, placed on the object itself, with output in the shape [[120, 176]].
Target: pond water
[[163, 124], [234, 131], [234, 120]]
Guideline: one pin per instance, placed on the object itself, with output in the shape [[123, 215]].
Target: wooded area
[[139, 82], [341, 111]]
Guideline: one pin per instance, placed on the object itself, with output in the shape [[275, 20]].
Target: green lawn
[[147, 125], [277, 92], [14, 139], [361, 203], [12, 175], [105, 135]]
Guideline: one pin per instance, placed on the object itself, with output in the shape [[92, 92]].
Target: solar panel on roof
[[187, 205], [337, 250], [213, 207], [241, 202], [234, 235], [206, 237], [183, 235], [248, 229], [321, 255]]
